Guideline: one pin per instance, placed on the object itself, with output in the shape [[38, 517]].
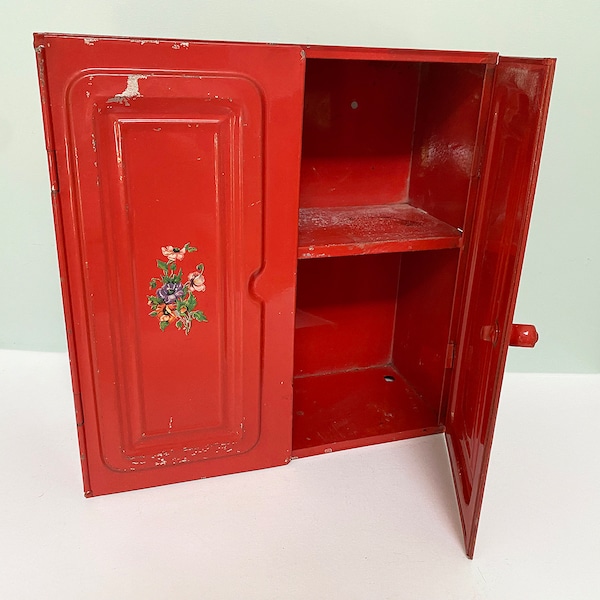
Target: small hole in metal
[[354, 105], [389, 378]]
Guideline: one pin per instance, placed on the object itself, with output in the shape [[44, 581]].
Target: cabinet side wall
[[444, 156], [422, 326]]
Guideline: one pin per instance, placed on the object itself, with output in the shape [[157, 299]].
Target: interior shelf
[[341, 410], [349, 230]]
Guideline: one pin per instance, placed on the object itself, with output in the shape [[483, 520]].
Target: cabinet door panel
[[515, 132], [178, 176]]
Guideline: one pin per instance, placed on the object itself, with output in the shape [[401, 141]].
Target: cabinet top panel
[[311, 51], [399, 54]]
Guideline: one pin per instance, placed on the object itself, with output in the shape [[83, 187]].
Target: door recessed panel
[[175, 329]]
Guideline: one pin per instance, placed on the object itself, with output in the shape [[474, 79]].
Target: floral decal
[[174, 301]]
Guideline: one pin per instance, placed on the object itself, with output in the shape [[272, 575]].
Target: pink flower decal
[[197, 281], [173, 252], [174, 301]]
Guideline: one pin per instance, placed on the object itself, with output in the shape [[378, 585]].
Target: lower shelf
[[348, 409]]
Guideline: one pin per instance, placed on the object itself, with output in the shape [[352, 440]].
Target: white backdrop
[[561, 280]]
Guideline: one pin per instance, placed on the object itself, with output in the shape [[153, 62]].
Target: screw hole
[[354, 105], [389, 378]]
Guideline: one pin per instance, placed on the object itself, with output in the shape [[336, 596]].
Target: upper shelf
[[350, 230]]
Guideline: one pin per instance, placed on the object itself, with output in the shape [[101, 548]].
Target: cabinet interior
[[387, 164]]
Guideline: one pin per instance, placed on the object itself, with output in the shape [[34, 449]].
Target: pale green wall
[[561, 281]]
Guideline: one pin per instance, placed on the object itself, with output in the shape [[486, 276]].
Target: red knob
[[523, 336]]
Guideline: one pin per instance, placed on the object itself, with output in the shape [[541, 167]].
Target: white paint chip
[[132, 90]]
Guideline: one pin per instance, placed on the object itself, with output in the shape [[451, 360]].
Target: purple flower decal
[[175, 301], [169, 292]]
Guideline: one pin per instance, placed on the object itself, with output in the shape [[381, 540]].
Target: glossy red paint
[[358, 407], [401, 179], [523, 336], [521, 94], [357, 132], [422, 348], [397, 54], [446, 146], [151, 139], [351, 230], [345, 312]]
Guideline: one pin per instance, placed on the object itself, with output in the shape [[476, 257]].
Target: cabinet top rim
[[309, 50]]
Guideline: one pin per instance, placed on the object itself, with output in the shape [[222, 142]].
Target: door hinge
[[450, 351]]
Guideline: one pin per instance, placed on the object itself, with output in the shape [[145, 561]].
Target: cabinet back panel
[[357, 132], [345, 312]]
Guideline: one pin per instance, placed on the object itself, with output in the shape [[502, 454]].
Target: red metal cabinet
[[271, 251]]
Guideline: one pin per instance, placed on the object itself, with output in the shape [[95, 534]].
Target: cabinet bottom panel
[[347, 409]]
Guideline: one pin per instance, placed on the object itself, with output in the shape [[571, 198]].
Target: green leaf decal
[[163, 325], [154, 301], [162, 265]]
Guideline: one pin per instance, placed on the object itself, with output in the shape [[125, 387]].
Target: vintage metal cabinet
[[273, 251]]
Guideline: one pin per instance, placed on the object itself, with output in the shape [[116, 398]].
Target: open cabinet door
[[519, 107], [174, 169]]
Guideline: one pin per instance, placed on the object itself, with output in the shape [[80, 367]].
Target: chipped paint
[[142, 42], [179, 45], [90, 41], [132, 90], [160, 458], [41, 72]]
